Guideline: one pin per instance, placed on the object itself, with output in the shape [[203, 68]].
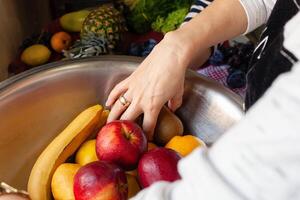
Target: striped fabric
[[196, 8]]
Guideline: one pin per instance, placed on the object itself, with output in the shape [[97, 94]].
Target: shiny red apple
[[122, 143], [159, 164], [100, 180]]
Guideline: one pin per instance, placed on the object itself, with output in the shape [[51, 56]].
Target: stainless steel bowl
[[38, 104]]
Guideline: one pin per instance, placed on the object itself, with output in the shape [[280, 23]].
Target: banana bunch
[[84, 126]]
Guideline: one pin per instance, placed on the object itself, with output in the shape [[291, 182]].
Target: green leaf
[[145, 12], [171, 22]]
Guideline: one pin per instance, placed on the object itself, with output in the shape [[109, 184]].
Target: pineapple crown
[[89, 45]]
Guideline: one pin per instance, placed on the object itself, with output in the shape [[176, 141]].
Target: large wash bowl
[[38, 104]]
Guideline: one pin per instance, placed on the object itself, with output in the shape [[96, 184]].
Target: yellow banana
[[104, 117], [102, 122], [57, 152]]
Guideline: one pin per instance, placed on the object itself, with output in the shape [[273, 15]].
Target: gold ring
[[124, 101]]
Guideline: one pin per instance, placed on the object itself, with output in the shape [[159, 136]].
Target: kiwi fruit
[[168, 125]]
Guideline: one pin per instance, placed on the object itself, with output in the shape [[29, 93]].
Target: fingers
[[117, 109], [150, 119], [132, 112], [118, 90], [175, 103]]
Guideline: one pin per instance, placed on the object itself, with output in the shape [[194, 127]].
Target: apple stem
[[125, 134]]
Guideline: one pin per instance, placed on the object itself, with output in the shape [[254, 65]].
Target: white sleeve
[[257, 159], [258, 12]]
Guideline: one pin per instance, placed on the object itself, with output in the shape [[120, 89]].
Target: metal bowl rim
[[121, 58]]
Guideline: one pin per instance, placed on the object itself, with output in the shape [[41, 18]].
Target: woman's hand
[[159, 79]]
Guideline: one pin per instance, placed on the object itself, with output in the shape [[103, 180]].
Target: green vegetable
[[158, 24], [172, 22], [144, 12]]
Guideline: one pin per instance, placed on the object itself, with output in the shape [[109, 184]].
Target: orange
[[151, 146], [184, 145], [133, 186], [62, 181], [86, 153], [61, 41]]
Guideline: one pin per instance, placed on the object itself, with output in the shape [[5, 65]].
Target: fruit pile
[[91, 160], [83, 33]]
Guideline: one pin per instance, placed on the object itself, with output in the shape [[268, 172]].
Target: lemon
[[86, 153], [35, 55]]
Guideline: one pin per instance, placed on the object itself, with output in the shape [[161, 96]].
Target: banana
[[63, 146], [104, 117], [102, 122]]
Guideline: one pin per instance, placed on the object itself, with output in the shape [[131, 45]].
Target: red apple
[[159, 164], [100, 180], [121, 142]]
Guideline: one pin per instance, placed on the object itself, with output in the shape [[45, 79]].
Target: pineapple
[[106, 22]]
